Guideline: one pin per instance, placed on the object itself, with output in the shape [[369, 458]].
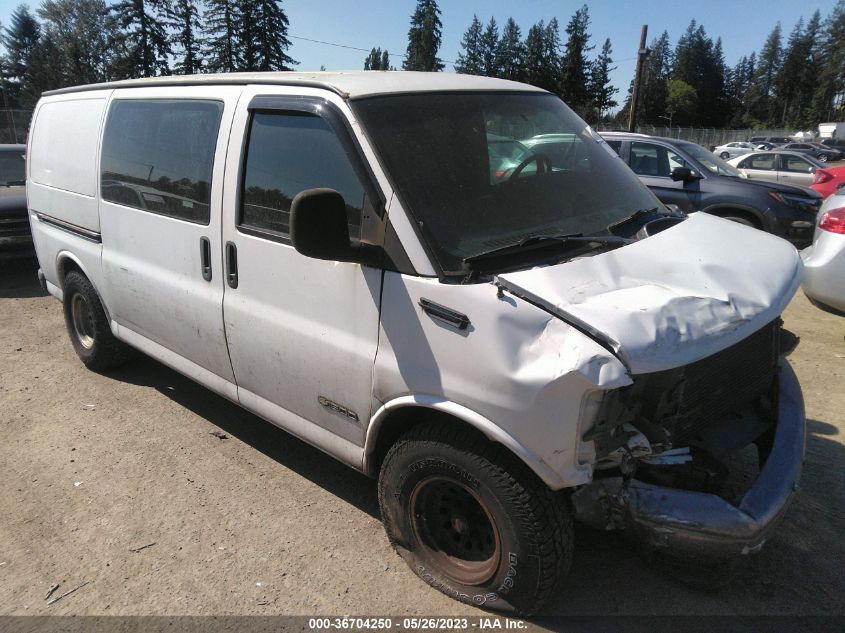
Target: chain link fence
[[14, 125], [706, 137]]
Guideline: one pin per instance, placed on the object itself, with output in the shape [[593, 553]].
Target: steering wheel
[[544, 165]]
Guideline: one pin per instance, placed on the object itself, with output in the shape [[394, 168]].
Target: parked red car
[[828, 180]]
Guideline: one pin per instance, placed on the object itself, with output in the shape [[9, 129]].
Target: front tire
[[474, 522], [724, 156], [88, 326]]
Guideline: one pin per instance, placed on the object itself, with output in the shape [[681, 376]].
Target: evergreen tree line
[[794, 83], [71, 42], [542, 59]]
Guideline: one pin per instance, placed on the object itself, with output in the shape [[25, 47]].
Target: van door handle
[[231, 264], [205, 258]]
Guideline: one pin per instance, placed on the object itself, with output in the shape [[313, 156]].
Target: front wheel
[[823, 158], [724, 156], [472, 521]]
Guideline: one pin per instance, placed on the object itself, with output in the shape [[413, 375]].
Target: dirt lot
[[260, 523]]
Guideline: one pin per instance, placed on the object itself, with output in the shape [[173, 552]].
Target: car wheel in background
[[724, 156]]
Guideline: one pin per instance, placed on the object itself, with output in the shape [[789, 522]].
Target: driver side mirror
[[318, 226], [685, 174]]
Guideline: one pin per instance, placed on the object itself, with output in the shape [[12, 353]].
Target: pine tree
[[377, 60], [43, 71], [469, 60], [20, 39], [652, 99], [698, 63], [759, 100], [143, 44], [533, 62], [220, 42], [270, 30], [831, 80], [601, 90], [83, 32], [511, 52], [424, 38], [575, 68], [793, 93], [185, 20], [489, 45]]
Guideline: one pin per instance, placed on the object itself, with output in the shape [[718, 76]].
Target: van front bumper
[[689, 523]]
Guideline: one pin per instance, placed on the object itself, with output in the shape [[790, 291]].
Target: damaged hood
[[673, 298]]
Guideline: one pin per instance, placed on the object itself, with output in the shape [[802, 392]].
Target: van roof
[[348, 84]]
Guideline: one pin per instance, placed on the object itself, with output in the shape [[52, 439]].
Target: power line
[[353, 48]]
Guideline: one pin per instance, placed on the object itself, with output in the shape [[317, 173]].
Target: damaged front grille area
[[682, 406]]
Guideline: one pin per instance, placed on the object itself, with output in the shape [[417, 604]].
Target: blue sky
[[742, 24]]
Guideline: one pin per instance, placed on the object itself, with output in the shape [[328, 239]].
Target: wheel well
[[66, 265], [402, 420], [738, 213]]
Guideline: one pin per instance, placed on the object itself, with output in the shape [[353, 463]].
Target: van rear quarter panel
[[62, 163], [63, 158]]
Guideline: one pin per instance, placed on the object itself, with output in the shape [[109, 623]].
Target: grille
[[688, 399]]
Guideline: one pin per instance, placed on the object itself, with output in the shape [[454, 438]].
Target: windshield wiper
[[636, 215], [544, 239]]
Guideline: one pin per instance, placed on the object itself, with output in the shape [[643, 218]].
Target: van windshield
[[479, 171]]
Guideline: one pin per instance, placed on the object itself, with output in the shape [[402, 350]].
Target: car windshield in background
[[710, 161], [12, 168], [484, 170]]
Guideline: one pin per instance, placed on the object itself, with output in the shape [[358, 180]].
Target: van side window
[[158, 156], [289, 153]]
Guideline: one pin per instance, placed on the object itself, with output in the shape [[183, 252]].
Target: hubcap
[[455, 530], [83, 321]]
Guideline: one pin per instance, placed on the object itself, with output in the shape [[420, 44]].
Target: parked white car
[[824, 261], [732, 150], [332, 252]]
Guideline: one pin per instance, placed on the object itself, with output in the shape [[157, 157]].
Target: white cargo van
[[450, 283]]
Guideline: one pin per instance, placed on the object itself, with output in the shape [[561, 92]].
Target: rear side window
[[289, 153], [760, 161], [12, 170], [158, 156]]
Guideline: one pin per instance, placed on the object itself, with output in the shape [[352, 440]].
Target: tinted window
[[287, 154], [616, 146], [158, 156], [12, 168], [649, 160], [435, 148]]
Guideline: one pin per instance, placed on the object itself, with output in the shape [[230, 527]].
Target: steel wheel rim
[[456, 530], [83, 321]]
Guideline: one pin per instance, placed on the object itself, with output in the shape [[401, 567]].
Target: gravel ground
[[94, 466]]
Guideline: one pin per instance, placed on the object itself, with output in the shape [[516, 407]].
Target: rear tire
[[474, 522], [88, 326], [823, 158]]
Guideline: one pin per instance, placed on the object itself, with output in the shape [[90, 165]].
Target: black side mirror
[[318, 225], [683, 173]]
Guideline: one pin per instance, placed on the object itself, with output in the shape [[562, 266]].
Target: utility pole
[[635, 92]]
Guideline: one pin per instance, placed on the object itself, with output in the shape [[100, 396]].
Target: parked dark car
[[15, 235], [820, 152], [687, 175], [774, 141], [835, 143]]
